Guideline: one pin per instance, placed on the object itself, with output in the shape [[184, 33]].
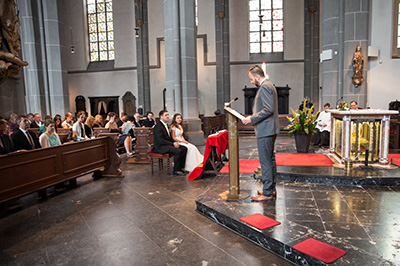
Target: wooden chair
[[154, 155]]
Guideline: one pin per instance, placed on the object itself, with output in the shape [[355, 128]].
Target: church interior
[[88, 202]]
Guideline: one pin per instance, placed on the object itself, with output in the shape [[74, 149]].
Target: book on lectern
[[234, 112]]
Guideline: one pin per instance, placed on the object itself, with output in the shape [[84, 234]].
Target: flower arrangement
[[342, 106], [302, 121]]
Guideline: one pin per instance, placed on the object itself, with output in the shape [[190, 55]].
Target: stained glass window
[[266, 26], [101, 30], [398, 27]]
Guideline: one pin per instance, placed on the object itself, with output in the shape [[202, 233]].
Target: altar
[[361, 135]]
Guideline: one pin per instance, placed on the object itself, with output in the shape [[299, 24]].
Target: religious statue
[[358, 66], [10, 63]]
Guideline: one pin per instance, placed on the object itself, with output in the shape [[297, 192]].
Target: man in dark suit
[[24, 139], [6, 145], [266, 122], [137, 122], [163, 143], [36, 123], [149, 121]]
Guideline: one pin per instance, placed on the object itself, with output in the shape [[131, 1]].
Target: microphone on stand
[[341, 98], [226, 105]]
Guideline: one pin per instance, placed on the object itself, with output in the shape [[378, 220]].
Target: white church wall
[[105, 83], [98, 84], [293, 29], [124, 32], [76, 34], [383, 77]]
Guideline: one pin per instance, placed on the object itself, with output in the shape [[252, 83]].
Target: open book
[[234, 112]]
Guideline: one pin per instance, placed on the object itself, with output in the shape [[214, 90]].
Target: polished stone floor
[[146, 219]]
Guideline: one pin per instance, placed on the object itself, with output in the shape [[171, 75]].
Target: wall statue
[[358, 66], [10, 63]]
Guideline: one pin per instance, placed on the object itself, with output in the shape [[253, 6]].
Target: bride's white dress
[[193, 156]]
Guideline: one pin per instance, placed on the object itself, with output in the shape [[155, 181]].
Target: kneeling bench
[[154, 155]]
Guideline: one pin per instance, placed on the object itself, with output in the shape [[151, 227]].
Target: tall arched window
[[101, 30], [266, 26]]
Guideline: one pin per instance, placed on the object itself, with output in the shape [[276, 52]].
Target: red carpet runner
[[259, 221], [247, 166], [396, 159], [319, 250]]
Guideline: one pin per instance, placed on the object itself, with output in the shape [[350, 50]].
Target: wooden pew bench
[[26, 172], [211, 124]]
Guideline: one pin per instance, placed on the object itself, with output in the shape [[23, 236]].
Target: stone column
[[181, 65], [172, 56], [222, 52], [311, 51], [142, 51], [46, 80], [344, 26]]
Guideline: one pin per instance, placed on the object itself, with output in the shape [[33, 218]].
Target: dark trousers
[[321, 138], [266, 156], [179, 156]]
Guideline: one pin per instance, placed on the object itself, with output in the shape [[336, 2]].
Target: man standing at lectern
[[266, 125]]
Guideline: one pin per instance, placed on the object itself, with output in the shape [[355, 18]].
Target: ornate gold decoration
[[10, 63], [358, 66]]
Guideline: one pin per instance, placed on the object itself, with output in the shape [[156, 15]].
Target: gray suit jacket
[[265, 111]]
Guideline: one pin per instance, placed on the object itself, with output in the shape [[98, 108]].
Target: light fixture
[[263, 33], [136, 32], [72, 49]]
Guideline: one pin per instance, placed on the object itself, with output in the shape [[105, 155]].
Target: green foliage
[[302, 121]]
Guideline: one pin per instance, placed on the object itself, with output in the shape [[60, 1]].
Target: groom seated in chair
[[163, 143]]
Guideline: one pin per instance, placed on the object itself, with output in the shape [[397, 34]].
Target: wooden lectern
[[234, 185]]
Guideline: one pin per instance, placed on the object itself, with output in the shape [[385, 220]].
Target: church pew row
[[26, 172]]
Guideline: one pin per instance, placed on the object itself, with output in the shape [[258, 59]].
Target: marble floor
[[146, 219]]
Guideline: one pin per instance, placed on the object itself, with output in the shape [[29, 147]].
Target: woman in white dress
[[193, 156]]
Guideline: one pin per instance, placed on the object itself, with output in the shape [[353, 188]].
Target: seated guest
[[89, 126], [149, 121], [13, 123], [122, 120], [78, 129], [42, 128], [137, 122], [67, 123], [57, 120], [163, 143], [128, 127], [322, 136], [49, 137], [6, 145], [308, 103], [98, 121], [36, 123], [24, 139], [30, 118], [123, 138], [354, 105], [193, 156]]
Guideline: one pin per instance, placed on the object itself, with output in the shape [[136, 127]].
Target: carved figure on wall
[[358, 66], [10, 42]]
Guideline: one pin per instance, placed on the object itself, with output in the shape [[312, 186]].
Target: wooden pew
[[35, 130], [144, 145], [65, 134], [211, 124], [23, 173]]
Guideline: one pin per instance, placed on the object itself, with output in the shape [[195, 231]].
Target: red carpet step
[[247, 166], [319, 250]]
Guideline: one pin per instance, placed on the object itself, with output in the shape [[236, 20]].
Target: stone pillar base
[[194, 132]]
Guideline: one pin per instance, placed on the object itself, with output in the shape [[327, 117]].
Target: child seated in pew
[[122, 138]]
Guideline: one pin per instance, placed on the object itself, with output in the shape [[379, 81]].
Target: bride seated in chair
[[193, 156]]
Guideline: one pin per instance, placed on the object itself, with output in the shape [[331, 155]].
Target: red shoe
[[261, 198], [260, 192]]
